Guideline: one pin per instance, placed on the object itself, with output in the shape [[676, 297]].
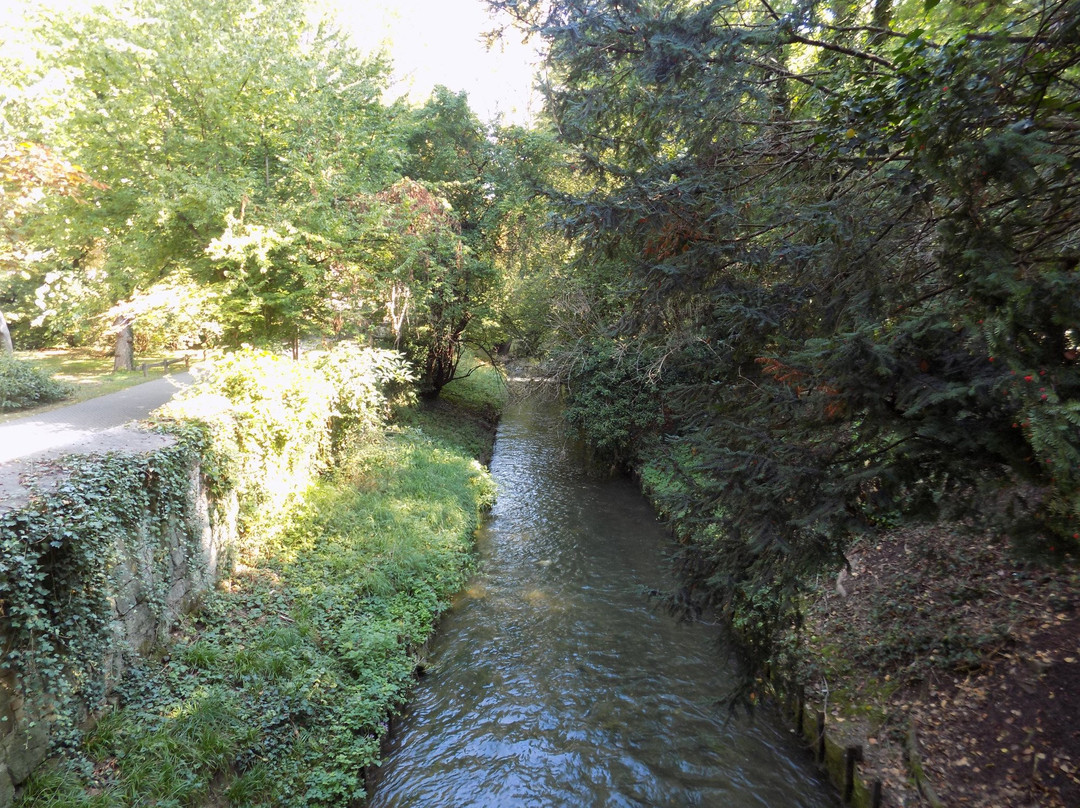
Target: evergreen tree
[[840, 244]]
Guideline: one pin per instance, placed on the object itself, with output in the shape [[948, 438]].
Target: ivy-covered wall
[[96, 567], [93, 570]]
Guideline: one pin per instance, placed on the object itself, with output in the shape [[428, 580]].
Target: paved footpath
[[96, 425]]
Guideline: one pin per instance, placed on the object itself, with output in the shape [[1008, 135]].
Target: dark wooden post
[[853, 755], [821, 736], [875, 795]]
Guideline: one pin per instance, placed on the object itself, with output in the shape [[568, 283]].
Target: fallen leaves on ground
[[942, 628]]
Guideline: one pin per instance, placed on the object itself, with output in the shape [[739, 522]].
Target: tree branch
[[829, 46]]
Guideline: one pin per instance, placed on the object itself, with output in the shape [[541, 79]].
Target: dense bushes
[[835, 246], [613, 402], [271, 425], [22, 385]]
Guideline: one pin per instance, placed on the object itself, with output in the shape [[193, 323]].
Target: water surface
[[555, 681]]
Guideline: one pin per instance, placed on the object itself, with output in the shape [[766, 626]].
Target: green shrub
[[23, 385], [613, 400], [279, 690], [272, 424], [365, 381]]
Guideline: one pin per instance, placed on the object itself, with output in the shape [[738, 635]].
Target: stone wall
[[153, 580]]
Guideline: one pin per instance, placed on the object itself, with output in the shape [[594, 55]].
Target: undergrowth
[[278, 689], [465, 412], [24, 385]]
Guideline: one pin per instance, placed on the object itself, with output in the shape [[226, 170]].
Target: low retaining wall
[[840, 762], [156, 570]]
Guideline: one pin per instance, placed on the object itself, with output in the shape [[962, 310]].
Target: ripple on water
[[554, 682]]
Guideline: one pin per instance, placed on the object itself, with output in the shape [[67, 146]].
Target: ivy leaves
[[57, 559]]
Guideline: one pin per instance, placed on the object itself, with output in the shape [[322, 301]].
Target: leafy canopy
[[839, 242]]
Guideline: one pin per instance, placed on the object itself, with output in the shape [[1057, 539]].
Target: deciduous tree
[[29, 173], [210, 123]]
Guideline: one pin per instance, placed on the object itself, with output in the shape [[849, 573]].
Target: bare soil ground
[[951, 660]]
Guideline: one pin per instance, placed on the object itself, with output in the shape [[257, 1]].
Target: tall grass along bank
[[278, 688]]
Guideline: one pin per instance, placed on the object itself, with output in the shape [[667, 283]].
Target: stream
[[555, 681]]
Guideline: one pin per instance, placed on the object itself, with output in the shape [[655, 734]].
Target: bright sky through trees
[[431, 42], [439, 42]]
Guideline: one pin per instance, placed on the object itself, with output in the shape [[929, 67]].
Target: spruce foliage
[[841, 245]]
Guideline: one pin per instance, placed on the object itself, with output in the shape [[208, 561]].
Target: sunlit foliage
[[206, 127], [840, 243]]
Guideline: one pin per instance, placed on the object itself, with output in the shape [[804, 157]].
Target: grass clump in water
[[278, 690]]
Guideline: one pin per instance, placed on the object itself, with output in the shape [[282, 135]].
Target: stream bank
[[276, 689], [556, 680], [943, 666], [955, 666]]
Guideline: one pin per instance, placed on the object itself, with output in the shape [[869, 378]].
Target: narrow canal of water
[[555, 681]]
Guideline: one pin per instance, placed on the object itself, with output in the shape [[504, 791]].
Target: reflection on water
[[555, 682]]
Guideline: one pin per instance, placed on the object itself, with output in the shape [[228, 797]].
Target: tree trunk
[[124, 355], [883, 13], [5, 337], [882, 18]]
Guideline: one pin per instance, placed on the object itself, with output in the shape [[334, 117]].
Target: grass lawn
[[90, 373]]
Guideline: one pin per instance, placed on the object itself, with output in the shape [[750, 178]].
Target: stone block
[[123, 576], [7, 787], [143, 555], [177, 599], [140, 626], [124, 601], [29, 746], [178, 556]]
